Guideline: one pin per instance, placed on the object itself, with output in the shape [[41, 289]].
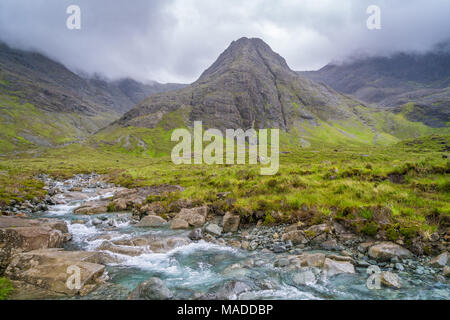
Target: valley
[[85, 163]]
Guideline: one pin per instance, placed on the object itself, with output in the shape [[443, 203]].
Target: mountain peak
[[246, 55]]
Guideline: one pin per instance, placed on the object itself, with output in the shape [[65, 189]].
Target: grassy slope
[[333, 181], [23, 126]]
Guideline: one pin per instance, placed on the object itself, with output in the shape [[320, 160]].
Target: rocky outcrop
[[51, 269], [22, 235], [385, 251], [152, 289]]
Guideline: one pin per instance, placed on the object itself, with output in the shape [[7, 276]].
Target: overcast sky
[[175, 40]]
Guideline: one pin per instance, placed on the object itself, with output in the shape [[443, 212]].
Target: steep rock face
[[249, 85], [394, 81]]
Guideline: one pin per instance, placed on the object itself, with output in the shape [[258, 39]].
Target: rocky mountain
[[250, 86], [43, 103], [417, 85]]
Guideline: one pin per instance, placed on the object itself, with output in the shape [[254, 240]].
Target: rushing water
[[201, 266]]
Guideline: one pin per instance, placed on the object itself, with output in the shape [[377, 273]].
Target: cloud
[[175, 40]]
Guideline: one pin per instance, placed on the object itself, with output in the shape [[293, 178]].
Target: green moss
[[6, 288]]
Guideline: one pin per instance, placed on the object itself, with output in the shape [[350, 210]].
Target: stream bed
[[194, 270]]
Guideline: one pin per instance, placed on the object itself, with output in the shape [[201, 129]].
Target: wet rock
[[296, 237], [446, 271], [385, 251], [283, 262], [311, 260], [363, 247], [96, 222], [278, 248], [340, 258], [230, 222], [213, 229], [196, 234], [167, 244], [22, 235], [92, 207], [48, 269], [120, 249], [362, 263], [440, 261], [229, 291], [399, 266], [195, 217], [179, 224], [333, 267], [304, 277], [390, 279], [152, 289], [331, 245], [152, 221]]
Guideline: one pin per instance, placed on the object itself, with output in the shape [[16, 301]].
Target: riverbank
[[196, 252]]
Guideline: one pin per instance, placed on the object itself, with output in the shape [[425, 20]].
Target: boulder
[[390, 279], [230, 222], [152, 289], [54, 270], [120, 249], [228, 291], [311, 260], [179, 224], [92, 207], [385, 251], [213, 229], [304, 277], [195, 234], [446, 271], [152, 221], [333, 267], [296, 237], [195, 217], [22, 235], [440, 261], [167, 244]]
